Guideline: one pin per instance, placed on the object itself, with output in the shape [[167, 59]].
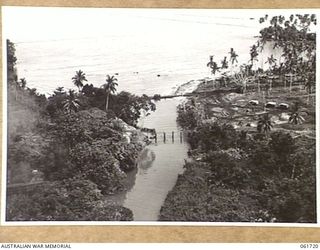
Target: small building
[[254, 102], [271, 104], [283, 105]]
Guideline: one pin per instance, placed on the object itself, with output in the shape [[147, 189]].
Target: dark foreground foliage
[[239, 178], [70, 199]]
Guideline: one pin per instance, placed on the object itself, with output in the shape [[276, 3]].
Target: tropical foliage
[[11, 58], [70, 199], [264, 124], [233, 56], [78, 79], [109, 87], [295, 117], [233, 177], [71, 103], [213, 66]]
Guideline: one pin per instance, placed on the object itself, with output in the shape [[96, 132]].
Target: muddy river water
[[158, 166]]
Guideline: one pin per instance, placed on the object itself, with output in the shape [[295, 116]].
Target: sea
[[150, 51]]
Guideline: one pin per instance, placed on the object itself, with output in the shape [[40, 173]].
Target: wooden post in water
[[180, 137], [172, 136], [164, 137]]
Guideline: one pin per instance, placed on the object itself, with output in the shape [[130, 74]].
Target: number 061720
[[305, 246]]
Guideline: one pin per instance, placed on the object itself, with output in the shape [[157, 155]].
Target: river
[[158, 166]]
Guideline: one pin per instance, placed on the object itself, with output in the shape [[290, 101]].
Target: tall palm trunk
[[16, 92], [107, 101]]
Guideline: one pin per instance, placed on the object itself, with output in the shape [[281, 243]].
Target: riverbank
[[237, 174]]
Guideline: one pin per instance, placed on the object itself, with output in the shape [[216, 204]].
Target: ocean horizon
[[149, 51]]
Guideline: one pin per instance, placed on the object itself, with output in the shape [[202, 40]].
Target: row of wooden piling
[[165, 137]]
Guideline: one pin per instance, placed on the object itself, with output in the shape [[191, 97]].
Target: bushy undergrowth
[[70, 199], [235, 177], [87, 145]]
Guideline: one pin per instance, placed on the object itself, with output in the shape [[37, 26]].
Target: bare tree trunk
[[107, 101]]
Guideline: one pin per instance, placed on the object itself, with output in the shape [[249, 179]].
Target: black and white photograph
[[133, 115]]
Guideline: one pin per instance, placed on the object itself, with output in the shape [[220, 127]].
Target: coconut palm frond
[[79, 78]]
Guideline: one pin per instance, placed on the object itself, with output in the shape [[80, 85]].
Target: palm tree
[[109, 87], [71, 103], [214, 68], [264, 124], [295, 118], [272, 63], [210, 63], [213, 65], [79, 78], [242, 78], [233, 57], [59, 91], [253, 53], [253, 58], [224, 63]]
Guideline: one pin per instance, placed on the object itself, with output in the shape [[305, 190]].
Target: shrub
[[187, 116], [97, 162], [70, 199]]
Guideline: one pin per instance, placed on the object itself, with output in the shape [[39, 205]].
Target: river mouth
[[158, 165]]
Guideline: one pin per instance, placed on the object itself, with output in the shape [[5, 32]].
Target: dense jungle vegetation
[[67, 151]]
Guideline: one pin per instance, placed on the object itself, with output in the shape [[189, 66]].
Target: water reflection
[[145, 160]]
